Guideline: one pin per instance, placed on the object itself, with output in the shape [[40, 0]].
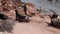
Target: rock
[[17, 3], [55, 23], [55, 20], [54, 15], [3, 17], [5, 2], [58, 18], [30, 9], [11, 7], [7, 10], [21, 16], [40, 10], [8, 4], [10, 15], [20, 11], [45, 17]]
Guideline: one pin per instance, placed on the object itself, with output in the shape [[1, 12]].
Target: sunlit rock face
[[7, 9], [30, 9], [11, 15]]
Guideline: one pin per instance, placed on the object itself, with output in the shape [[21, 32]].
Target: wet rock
[[55, 22], [30, 9]]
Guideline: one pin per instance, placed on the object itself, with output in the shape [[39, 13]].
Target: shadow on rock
[[55, 22], [55, 25]]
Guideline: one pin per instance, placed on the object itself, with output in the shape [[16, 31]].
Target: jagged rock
[[10, 15], [7, 10], [20, 11], [30, 9], [21, 16], [55, 20], [55, 23], [8, 4]]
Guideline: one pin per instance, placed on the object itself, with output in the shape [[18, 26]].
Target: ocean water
[[45, 5]]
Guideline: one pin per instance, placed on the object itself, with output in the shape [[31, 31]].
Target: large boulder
[[30, 9], [55, 20], [55, 23], [21, 16], [7, 13], [10, 15]]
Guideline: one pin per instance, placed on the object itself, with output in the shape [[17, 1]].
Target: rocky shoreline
[[15, 10]]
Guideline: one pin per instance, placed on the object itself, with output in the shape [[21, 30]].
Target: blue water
[[35, 2], [45, 5]]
